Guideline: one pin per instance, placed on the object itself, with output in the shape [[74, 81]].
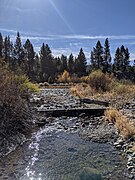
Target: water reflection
[[34, 147], [55, 154]]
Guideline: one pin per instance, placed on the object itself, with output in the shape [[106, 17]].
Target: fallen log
[[92, 101], [73, 112]]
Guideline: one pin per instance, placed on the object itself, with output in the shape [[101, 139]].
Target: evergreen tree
[[64, 62], [1, 44], [121, 60], [29, 58], [117, 60], [59, 65], [18, 51], [76, 66], [46, 62], [97, 57], [93, 60], [7, 49], [37, 68], [81, 63], [126, 60], [107, 57], [71, 64]]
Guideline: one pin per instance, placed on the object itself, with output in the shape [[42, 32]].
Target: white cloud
[[60, 51], [75, 36], [132, 56], [36, 36], [8, 30]]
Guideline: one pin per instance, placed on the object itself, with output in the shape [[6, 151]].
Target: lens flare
[[61, 16]]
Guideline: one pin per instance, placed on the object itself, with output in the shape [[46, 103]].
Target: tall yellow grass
[[124, 125]]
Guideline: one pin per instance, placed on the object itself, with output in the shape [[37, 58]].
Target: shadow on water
[[55, 154]]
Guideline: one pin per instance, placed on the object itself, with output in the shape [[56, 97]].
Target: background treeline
[[43, 66]]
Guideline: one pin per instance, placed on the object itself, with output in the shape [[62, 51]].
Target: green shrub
[[25, 86]]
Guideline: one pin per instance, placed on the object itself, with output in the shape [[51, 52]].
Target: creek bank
[[57, 151], [91, 129], [94, 129]]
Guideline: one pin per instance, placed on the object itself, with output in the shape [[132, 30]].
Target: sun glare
[[61, 15]]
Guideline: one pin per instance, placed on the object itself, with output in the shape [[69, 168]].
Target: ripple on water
[[53, 154]]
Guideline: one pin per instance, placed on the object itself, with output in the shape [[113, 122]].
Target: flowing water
[[56, 154]]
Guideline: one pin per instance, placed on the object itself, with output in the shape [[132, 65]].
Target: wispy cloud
[[36, 36], [67, 44], [7, 30], [132, 56], [75, 36], [60, 51]]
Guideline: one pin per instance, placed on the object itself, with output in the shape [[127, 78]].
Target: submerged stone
[[88, 174]]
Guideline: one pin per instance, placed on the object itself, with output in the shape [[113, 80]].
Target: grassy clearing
[[125, 126]]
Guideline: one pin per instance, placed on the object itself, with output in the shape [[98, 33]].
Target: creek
[[53, 153]]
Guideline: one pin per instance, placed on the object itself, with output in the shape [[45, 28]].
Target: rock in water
[[88, 174]]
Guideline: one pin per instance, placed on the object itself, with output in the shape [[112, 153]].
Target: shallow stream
[[53, 153]]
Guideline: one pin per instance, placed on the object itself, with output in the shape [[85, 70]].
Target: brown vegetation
[[124, 125], [14, 112], [105, 87], [67, 78], [102, 86]]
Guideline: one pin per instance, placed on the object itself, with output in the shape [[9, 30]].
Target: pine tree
[[107, 57], [59, 65], [126, 60], [18, 52], [81, 63], [97, 57], [1, 44], [37, 68], [7, 49], [76, 66], [117, 60], [71, 64], [29, 58], [93, 60], [64, 62], [46, 62]]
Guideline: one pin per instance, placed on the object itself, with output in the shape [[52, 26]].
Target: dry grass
[[102, 86], [82, 90], [124, 125], [133, 148], [105, 87]]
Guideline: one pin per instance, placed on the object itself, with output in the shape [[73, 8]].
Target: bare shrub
[[14, 112], [82, 90], [99, 81]]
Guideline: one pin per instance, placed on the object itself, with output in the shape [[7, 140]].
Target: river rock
[[88, 174]]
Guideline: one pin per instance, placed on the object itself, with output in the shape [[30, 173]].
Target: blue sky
[[68, 25]]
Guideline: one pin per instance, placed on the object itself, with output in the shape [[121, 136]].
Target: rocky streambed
[[69, 148]]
